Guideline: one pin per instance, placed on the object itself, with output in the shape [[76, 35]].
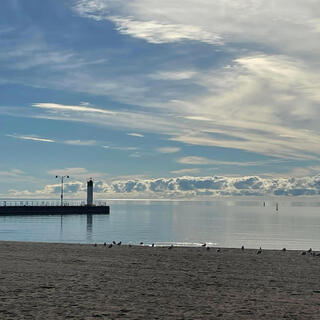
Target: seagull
[[284, 249], [113, 242], [105, 244], [170, 247], [119, 243], [204, 245], [152, 245], [242, 248], [218, 250], [110, 245], [310, 250], [259, 251]]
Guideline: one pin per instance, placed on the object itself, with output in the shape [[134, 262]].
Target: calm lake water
[[227, 223]]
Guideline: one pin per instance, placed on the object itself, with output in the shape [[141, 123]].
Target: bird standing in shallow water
[[259, 251], [218, 250], [284, 249], [113, 242], [105, 244], [141, 243], [95, 245], [110, 245], [119, 243], [152, 245], [204, 245], [171, 247], [242, 248]]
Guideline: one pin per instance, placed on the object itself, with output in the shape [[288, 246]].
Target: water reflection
[[240, 223], [89, 227]]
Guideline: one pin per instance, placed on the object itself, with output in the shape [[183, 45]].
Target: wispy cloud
[[54, 106], [81, 142], [194, 160], [133, 134], [159, 32], [120, 148], [168, 149], [32, 138]]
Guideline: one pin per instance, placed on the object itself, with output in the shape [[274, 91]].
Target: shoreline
[[81, 281], [162, 245]]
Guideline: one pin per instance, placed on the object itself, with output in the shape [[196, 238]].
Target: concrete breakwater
[[53, 210]]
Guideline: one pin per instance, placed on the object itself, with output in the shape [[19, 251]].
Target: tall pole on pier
[[62, 178]]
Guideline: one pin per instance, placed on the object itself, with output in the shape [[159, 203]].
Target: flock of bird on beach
[[259, 251]]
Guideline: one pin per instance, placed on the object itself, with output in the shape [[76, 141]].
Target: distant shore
[[73, 281]]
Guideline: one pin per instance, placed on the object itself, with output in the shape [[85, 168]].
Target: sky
[[159, 99]]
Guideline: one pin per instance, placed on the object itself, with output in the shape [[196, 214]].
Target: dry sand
[[70, 281]]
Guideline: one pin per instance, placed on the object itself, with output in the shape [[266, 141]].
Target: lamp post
[[62, 178]]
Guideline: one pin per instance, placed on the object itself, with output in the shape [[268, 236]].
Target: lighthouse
[[90, 192]]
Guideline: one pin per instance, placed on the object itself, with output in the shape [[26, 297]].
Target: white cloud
[[168, 149], [82, 108], [185, 187], [120, 148], [81, 142], [282, 25], [159, 32], [194, 160], [173, 75], [133, 134], [12, 173], [31, 137]]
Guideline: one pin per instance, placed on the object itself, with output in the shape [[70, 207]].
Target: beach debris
[[204, 245], [218, 250], [119, 243], [277, 206], [303, 253], [242, 248], [170, 247], [284, 249], [105, 244], [141, 243], [318, 254], [259, 251], [95, 245], [110, 245], [114, 242]]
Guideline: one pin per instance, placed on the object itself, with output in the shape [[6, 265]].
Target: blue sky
[[137, 92]]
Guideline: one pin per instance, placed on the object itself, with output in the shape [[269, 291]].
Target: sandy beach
[[71, 281]]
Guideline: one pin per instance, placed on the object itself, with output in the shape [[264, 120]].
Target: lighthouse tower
[[90, 192]]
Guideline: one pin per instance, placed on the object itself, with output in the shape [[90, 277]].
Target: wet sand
[[70, 281]]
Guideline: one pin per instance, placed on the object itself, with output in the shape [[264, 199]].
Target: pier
[[53, 207]]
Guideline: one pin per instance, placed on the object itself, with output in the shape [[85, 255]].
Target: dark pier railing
[[48, 207]]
